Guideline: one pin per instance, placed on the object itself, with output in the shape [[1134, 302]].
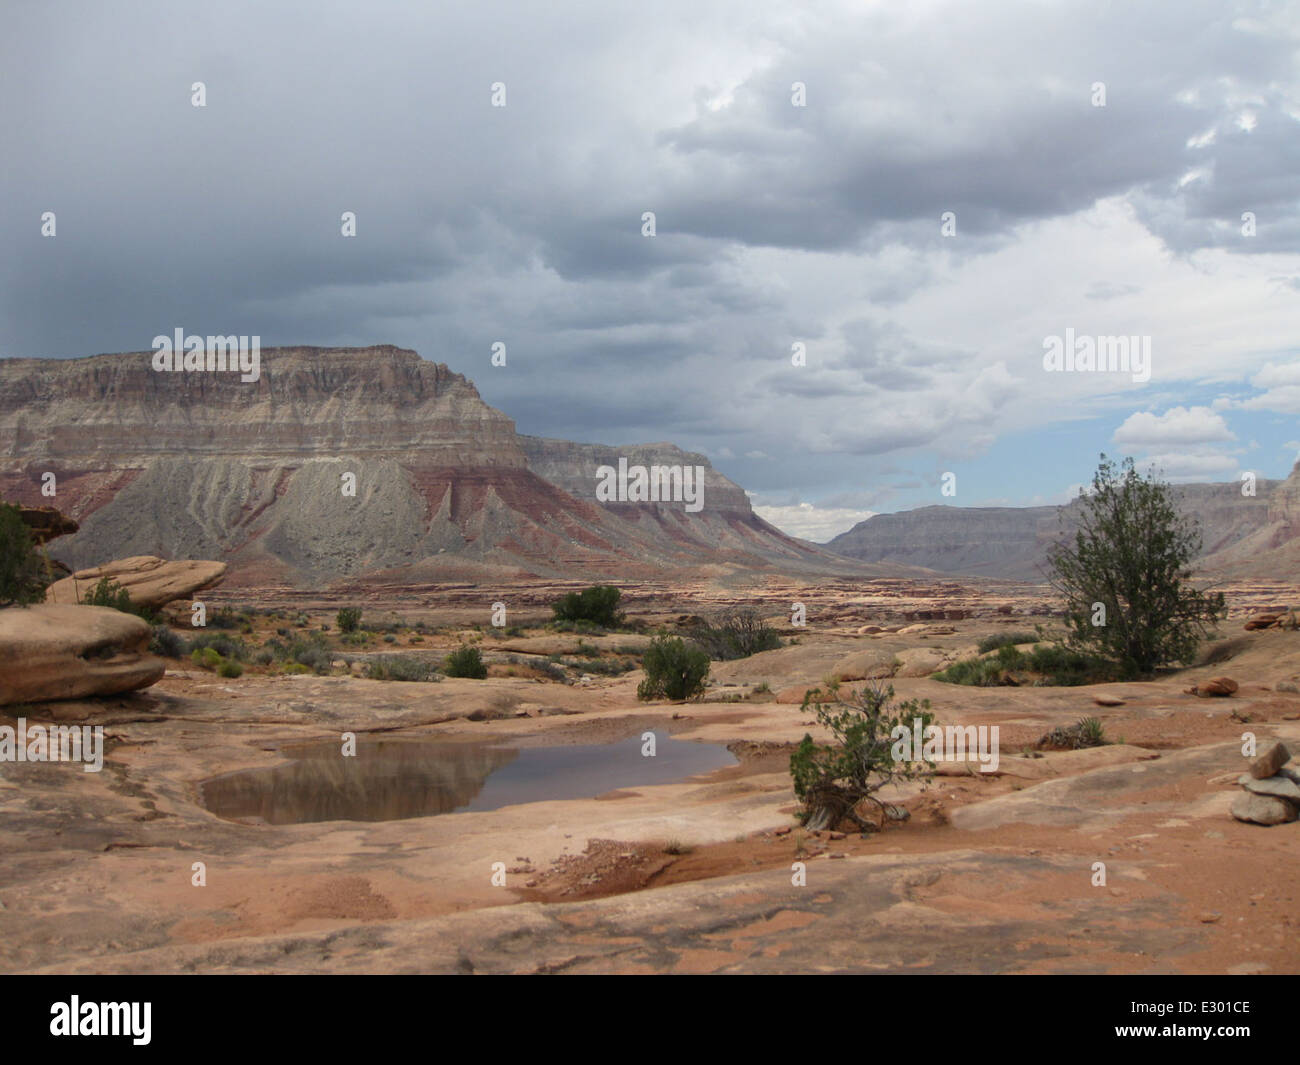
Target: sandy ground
[[991, 873]]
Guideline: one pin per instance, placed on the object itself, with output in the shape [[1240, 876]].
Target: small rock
[[785, 831], [1210, 918], [837, 854], [1262, 809], [1269, 761], [1215, 686], [835, 835], [1107, 700]]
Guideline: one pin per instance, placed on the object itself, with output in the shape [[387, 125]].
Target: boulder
[[920, 662], [1262, 809], [56, 651], [150, 582], [1215, 686], [864, 665], [46, 523], [1269, 760], [1260, 621]]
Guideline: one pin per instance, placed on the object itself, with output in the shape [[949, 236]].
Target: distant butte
[[204, 466]]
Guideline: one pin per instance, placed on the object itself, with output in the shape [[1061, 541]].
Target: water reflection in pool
[[392, 779]]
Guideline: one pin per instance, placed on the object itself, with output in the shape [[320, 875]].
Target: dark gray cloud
[[775, 224]]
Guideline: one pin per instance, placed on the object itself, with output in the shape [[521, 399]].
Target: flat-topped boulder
[[150, 582], [57, 651]]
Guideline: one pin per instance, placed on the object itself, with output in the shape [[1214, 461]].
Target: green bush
[[1125, 575], [226, 646], [207, 657], [400, 667], [674, 670], [24, 574], [1005, 639], [230, 669], [348, 618], [597, 605], [1048, 665], [110, 594], [831, 781], [465, 661]]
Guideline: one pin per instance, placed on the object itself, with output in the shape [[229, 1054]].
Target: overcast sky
[[776, 224]]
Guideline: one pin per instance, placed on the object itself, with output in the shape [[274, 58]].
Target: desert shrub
[[586, 650], [1047, 665], [108, 593], [673, 668], [597, 605], [308, 651], [465, 661], [229, 669], [312, 653], [207, 657], [734, 634], [226, 646], [1125, 575], [609, 667], [223, 618], [545, 666], [1005, 639], [1059, 665], [348, 618], [833, 780], [1086, 732], [400, 667], [167, 643], [294, 668], [24, 574]]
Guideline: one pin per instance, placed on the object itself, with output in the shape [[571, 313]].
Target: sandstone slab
[[56, 651], [149, 581], [1279, 787]]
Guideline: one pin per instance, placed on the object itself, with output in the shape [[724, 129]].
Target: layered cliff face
[[340, 463], [117, 411], [1012, 542]]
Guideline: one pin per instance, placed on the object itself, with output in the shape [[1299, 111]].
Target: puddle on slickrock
[[389, 780]]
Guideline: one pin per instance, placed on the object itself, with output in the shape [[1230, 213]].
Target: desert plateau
[[701, 489]]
